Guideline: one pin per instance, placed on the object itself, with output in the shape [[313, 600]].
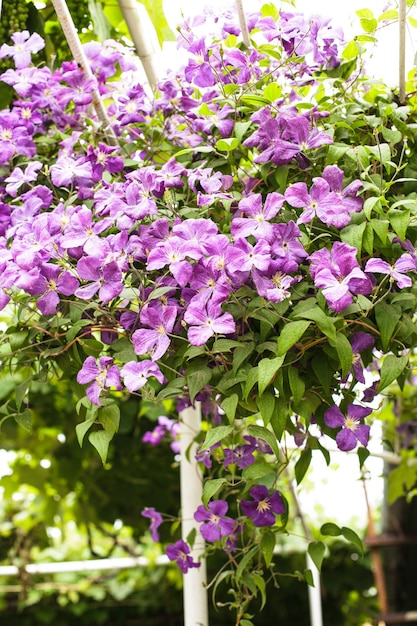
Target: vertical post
[[77, 51], [195, 588], [143, 36], [401, 60], [243, 23]]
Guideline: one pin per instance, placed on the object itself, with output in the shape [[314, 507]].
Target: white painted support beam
[[195, 580]]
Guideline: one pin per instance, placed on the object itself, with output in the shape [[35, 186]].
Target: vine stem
[[74, 43]]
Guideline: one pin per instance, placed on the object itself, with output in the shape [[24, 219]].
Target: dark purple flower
[[242, 456], [264, 506], [351, 425], [215, 524], [156, 521], [102, 375], [360, 341], [180, 552]]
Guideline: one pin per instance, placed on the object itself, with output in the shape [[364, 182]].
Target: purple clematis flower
[[161, 321], [351, 427], [242, 456], [180, 552], [104, 374], [396, 272], [360, 342], [24, 45], [337, 272], [206, 319], [156, 521], [135, 374], [19, 177], [264, 506], [215, 524], [257, 223]]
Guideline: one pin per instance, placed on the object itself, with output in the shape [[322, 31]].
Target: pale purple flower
[[105, 279], [396, 272], [214, 522], [348, 195], [66, 170], [19, 177], [264, 507], [351, 425], [161, 321], [259, 215], [135, 374], [156, 521], [337, 272], [25, 44], [205, 320], [102, 375], [320, 201], [180, 552]]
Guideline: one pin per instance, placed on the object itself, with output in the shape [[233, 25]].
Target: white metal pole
[[243, 23], [143, 36], [195, 580], [401, 60], [74, 43]]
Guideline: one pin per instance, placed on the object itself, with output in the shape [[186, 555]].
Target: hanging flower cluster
[[233, 239]]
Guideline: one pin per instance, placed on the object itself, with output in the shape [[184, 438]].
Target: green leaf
[[24, 419], [229, 406], [344, 352], [198, 375], [267, 369], [109, 416], [82, 428], [316, 550], [302, 465], [257, 471], [400, 221], [279, 417], [392, 367], [214, 435], [351, 51], [331, 530], [266, 406], [100, 439], [387, 317], [308, 577], [353, 537], [380, 227], [363, 454], [272, 92], [21, 392], [251, 380], [323, 322], [242, 353], [266, 435], [297, 385], [227, 144], [290, 334], [211, 487], [268, 546], [245, 561], [261, 584], [353, 235]]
